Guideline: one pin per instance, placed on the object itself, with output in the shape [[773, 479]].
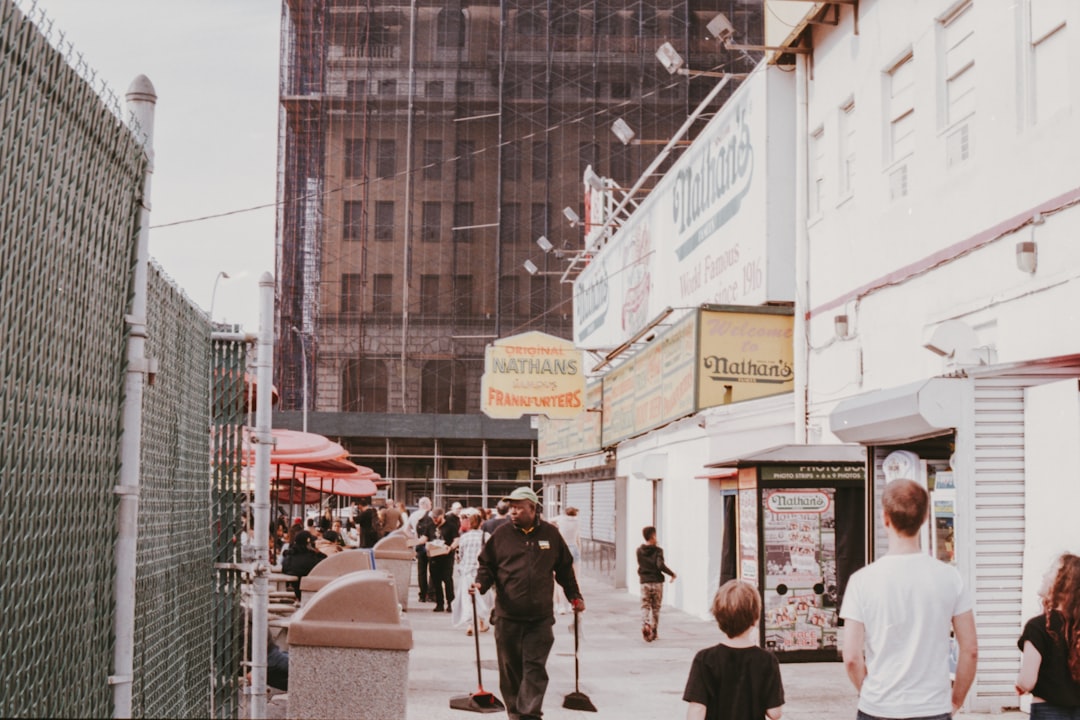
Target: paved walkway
[[624, 676]]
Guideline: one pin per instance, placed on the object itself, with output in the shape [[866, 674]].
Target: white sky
[[214, 65]]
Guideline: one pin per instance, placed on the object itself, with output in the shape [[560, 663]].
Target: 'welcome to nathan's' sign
[[532, 373]]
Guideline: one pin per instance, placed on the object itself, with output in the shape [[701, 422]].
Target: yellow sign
[[532, 373], [744, 355], [576, 436]]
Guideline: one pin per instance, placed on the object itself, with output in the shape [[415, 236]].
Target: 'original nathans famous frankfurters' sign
[[533, 373], [745, 353]]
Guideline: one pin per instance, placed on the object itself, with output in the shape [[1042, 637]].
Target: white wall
[[900, 267]]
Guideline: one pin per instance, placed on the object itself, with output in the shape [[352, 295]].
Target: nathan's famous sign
[[744, 353], [532, 373]]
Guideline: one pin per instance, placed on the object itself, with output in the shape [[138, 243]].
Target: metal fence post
[[140, 100]]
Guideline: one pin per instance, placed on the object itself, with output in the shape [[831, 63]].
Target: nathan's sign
[[532, 373], [789, 501], [745, 353]]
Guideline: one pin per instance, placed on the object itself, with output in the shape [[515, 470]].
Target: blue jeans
[[1047, 711], [860, 715]]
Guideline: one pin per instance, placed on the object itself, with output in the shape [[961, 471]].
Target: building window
[[511, 161], [539, 291], [463, 296], [433, 159], [464, 88], [352, 290], [442, 387], [621, 163], [463, 221], [816, 173], [386, 158], [846, 137], [354, 158], [541, 160], [465, 150], [450, 28], [620, 90], [356, 88], [1050, 67], [529, 22], [364, 386], [429, 294], [382, 294], [510, 223], [508, 296], [958, 35], [901, 109], [538, 213], [431, 222], [388, 87], [353, 228], [433, 89], [588, 154], [644, 20], [384, 220]]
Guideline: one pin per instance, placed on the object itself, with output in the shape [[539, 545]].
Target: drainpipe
[[141, 99], [264, 441], [802, 259]]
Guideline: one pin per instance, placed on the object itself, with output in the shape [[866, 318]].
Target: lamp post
[[303, 372], [213, 294]]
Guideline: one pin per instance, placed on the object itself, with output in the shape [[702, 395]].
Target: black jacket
[[650, 564], [523, 568]]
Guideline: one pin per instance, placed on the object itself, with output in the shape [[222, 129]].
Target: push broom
[[480, 701], [577, 700]]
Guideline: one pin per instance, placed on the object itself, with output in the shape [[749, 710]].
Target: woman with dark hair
[[1050, 666], [300, 558]]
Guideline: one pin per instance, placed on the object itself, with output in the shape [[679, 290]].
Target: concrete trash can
[[393, 554], [349, 649], [332, 568]]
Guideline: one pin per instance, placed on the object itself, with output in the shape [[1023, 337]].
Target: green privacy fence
[[70, 183]]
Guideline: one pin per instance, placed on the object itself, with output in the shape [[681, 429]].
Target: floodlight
[[544, 244], [571, 216], [669, 57], [623, 131], [530, 266], [721, 28]]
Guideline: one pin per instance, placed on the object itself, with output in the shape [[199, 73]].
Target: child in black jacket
[[651, 569]]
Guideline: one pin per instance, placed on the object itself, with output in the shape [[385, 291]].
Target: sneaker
[[468, 631], [646, 632], [438, 609], [654, 635]]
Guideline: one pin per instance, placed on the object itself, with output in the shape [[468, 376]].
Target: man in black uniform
[[523, 559]]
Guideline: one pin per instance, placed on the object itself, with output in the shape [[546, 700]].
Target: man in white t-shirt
[[897, 614]]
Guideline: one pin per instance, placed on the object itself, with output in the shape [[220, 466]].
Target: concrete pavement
[[624, 676]]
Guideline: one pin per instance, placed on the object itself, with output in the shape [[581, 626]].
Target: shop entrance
[[800, 533]]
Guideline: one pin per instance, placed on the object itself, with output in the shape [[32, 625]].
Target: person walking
[[469, 543], [502, 509], [420, 524], [442, 565], [897, 614], [651, 569], [522, 560], [736, 679], [1050, 642]]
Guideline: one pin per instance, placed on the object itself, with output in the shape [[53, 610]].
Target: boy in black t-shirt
[[735, 680]]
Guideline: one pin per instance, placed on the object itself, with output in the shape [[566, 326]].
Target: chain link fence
[[71, 179]]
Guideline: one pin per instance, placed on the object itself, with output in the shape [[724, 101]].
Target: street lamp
[[213, 295], [303, 372]]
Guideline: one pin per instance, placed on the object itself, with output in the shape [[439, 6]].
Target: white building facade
[[939, 278]]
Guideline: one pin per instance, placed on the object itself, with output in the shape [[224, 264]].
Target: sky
[[214, 65]]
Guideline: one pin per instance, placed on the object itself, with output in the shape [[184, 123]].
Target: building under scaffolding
[[424, 148]]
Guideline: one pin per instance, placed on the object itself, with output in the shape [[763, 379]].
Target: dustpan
[[480, 701], [577, 700]]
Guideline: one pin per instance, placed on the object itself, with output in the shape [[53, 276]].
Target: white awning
[[921, 409]]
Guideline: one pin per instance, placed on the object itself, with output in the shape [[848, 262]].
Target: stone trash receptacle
[[349, 649], [332, 568], [394, 555]]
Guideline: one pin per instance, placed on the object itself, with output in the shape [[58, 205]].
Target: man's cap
[[523, 493]]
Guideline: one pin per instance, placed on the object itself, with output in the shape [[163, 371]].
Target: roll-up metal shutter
[[603, 511], [579, 495]]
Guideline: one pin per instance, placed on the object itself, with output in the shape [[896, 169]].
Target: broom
[[577, 700], [480, 701]]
